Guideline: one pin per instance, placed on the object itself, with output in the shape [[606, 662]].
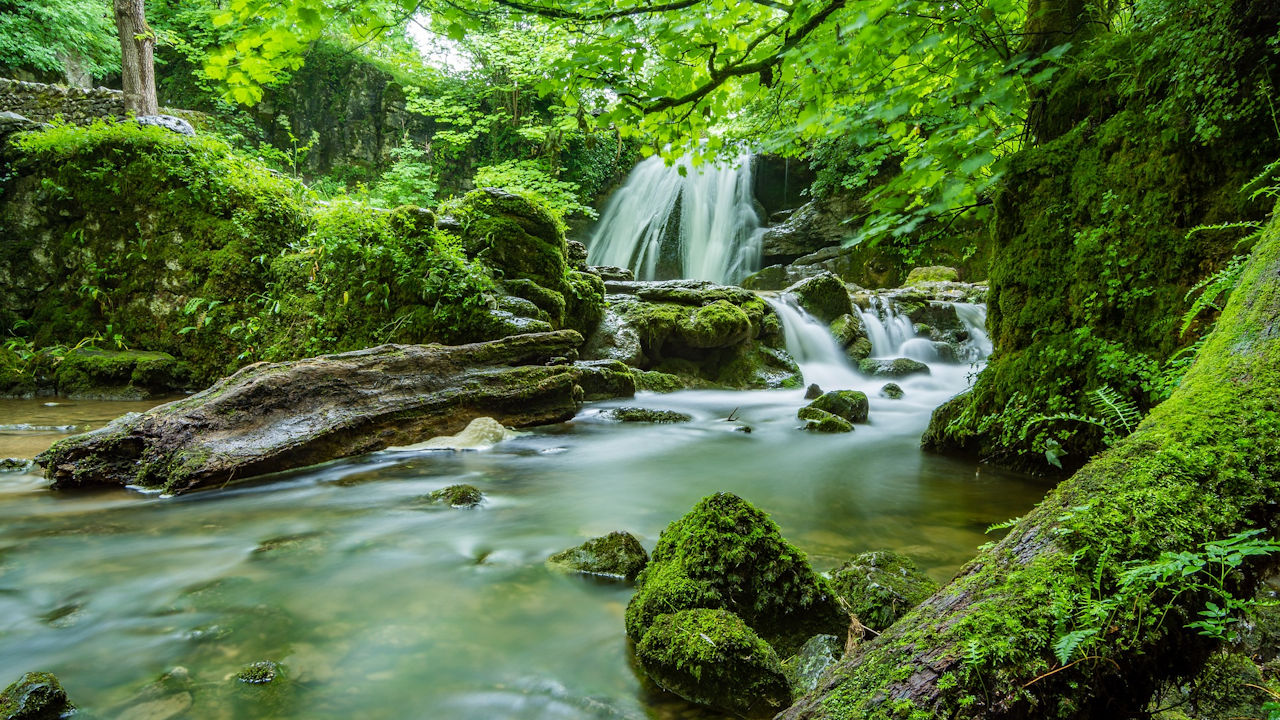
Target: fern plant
[[1119, 413], [1215, 289]]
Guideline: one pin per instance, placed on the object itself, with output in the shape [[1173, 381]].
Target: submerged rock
[[259, 673], [892, 391], [881, 587], [824, 296], [710, 657], [647, 415], [852, 405], [725, 553], [277, 416], [35, 696], [823, 421], [459, 496], [804, 669], [479, 434], [618, 554], [898, 368], [168, 697], [15, 465]]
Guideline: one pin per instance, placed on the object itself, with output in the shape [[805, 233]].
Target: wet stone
[[647, 415]]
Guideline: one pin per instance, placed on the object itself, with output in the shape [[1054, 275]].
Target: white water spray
[[663, 225]]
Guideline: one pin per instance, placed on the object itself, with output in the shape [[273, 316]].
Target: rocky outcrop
[[703, 334], [35, 696], [272, 417]]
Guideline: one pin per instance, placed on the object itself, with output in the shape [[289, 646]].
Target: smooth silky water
[[381, 605]]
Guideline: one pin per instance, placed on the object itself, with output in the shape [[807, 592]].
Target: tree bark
[[1204, 465], [272, 417], [137, 61]]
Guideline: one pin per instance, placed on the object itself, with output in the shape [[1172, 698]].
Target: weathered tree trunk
[[1204, 465], [272, 417], [137, 62]]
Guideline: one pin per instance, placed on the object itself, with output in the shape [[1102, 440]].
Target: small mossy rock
[[88, 374], [725, 553], [15, 465], [859, 350], [259, 673], [892, 391], [604, 379], [852, 405], [824, 296], [459, 496], [847, 330], [717, 325], [612, 272], [35, 696], [812, 392], [932, 273], [897, 368], [712, 658], [810, 663], [822, 421], [577, 255], [655, 381], [941, 318], [618, 554], [881, 587], [648, 415]]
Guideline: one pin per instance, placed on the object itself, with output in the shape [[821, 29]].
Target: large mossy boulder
[[704, 334], [711, 657], [35, 696], [726, 554], [896, 368], [880, 587], [618, 554], [824, 296], [522, 241], [87, 374], [931, 274]]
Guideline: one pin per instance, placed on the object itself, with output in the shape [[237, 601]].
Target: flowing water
[[380, 605], [681, 221]]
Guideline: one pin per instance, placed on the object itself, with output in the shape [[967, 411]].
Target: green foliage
[[529, 176], [50, 35], [409, 180]]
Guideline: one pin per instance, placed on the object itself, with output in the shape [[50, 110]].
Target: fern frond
[[1118, 411], [1066, 645], [1217, 286]]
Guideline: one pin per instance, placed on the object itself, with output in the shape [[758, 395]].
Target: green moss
[[717, 325], [460, 496], [86, 373], [259, 673], [654, 381], [35, 696], [618, 554], [712, 658], [852, 405], [822, 421], [824, 296], [897, 368], [893, 391], [881, 587], [648, 415], [724, 553], [932, 273]]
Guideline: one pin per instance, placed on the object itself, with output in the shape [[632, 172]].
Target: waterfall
[[811, 345], [663, 225]]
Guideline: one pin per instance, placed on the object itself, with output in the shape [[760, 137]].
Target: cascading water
[[663, 224]]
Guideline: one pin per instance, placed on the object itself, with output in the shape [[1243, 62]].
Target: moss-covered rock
[[654, 381], [824, 296], [259, 673], [893, 391], [35, 696], [87, 374], [648, 415], [822, 421], [852, 336], [459, 496], [710, 657], [881, 587], [896, 368], [932, 273], [724, 553], [618, 554], [852, 405]]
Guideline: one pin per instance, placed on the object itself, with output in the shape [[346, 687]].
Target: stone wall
[[44, 103]]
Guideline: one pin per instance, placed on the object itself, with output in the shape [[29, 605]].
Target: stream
[[381, 605]]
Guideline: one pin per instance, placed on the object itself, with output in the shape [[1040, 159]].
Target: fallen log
[[1047, 623], [270, 417]]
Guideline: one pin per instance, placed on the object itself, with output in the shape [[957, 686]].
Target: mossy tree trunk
[[1202, 466], [137, 61]]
